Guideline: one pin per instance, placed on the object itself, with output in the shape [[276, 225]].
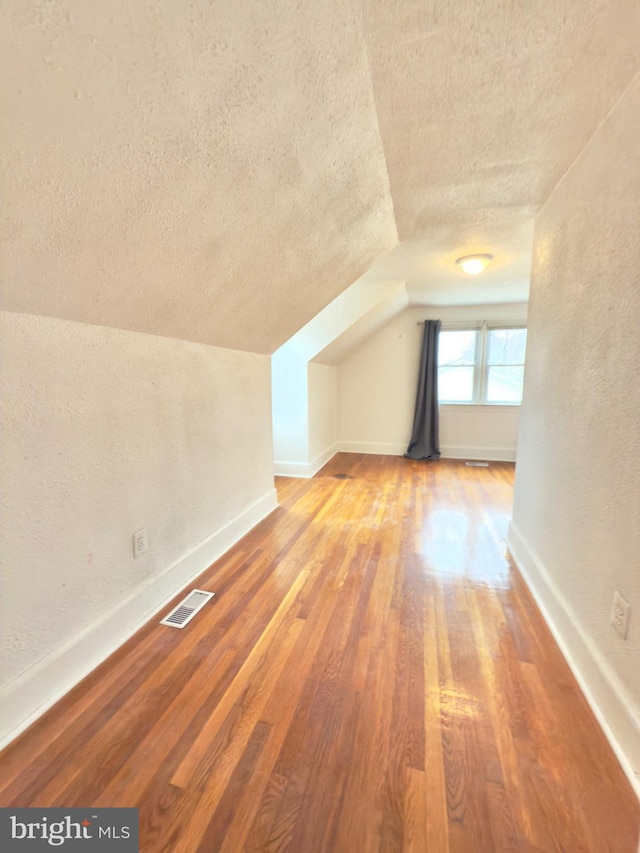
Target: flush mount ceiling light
[[474, 264]]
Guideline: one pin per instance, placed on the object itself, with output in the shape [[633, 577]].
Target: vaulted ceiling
[[482, 107], [219, 172]]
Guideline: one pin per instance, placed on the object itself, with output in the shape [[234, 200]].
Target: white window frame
[[481, 356]]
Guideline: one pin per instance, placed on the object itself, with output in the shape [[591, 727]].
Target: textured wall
[[377, 387], [211, 172], [107, 432], [577, 500]]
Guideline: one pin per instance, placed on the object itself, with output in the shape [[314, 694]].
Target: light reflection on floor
[[466, 544]]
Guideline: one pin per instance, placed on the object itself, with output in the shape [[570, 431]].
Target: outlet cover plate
[[140, 542], [620, 610]]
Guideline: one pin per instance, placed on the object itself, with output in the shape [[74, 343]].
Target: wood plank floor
[[372, 675]]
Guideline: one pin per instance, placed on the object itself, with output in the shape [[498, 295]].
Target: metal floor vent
[[477, 464], [187, 609]]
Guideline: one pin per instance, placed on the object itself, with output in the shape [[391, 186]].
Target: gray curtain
[[425, 440]]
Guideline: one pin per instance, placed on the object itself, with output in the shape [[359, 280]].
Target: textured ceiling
[[212, 172], [220, 172], [482, 106]]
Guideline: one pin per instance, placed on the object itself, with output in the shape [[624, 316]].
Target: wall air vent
[[187, 609]]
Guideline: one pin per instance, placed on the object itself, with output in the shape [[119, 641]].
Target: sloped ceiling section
[[220, 171], [205, 171], [391, 303], [482, 106]]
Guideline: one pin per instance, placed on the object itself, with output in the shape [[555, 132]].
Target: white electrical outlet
[[140, 542], [620, 611]]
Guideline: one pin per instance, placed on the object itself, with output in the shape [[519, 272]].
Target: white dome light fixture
[[474, 264]]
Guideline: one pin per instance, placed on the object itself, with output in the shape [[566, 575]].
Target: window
[[483, 365]]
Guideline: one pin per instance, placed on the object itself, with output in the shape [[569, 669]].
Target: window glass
[[498, 375], [505, 365], [507, 346], [456, 366], [504, 384], [455, 384], [457, 347]]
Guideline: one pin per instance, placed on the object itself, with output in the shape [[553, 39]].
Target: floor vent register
[[187, 609]]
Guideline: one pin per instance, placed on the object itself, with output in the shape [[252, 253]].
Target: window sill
[[479, 405]]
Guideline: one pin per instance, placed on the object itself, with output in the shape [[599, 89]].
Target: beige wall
[[377, 387], [323, 412], [107, 432], [576, 520], [303, 432]]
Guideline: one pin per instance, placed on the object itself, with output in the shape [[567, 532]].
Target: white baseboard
[[322, 459], [614, 709], [291, 469], [487, 454], [304, 470], [377, 447], [42, 685]]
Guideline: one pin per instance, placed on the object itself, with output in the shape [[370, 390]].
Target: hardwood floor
[[372, 675]]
